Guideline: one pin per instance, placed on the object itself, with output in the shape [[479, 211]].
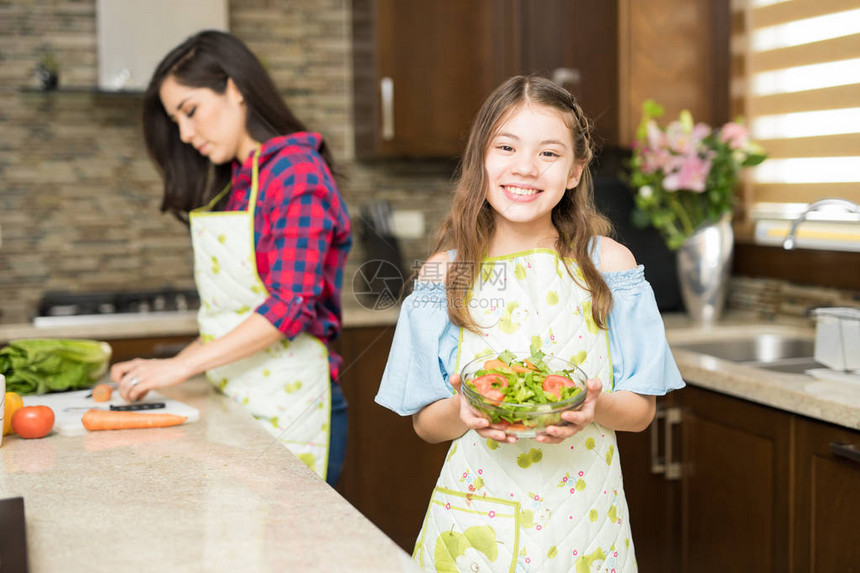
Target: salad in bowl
[[523, 392]]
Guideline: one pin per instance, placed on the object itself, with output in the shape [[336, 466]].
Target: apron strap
[[252, 200]]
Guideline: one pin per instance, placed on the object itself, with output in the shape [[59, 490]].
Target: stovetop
[[59, 308]]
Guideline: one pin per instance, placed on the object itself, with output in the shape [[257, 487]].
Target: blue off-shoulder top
[[424, 349]]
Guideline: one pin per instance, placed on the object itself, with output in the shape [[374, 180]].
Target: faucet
[[849, 206]]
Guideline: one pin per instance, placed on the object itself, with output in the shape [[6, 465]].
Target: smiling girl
[[270, 234], [523, 231]]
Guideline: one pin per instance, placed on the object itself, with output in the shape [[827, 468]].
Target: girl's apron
[[530, 506], [286, 386]]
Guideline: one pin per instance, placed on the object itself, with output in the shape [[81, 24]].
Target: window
[[796, 80]]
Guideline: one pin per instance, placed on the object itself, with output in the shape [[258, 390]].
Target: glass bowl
[[524, 420]]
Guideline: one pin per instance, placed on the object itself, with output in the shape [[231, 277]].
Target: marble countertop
[[158, 324], [832, 401], [213, 495]]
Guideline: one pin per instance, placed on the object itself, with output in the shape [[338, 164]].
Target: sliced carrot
[[519, 369], [96, 419], [530, 365], [102, 392], [496, 364]]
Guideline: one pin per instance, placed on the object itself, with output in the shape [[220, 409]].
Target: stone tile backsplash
[[79, 198]]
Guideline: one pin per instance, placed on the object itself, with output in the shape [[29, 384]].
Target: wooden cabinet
[[389, 472], [676, 52], [826, 498], [741, 486], [422, 69], [575, 43], [735, 488], [149, 347]]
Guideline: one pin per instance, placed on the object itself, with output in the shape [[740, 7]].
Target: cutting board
[[69, 422]]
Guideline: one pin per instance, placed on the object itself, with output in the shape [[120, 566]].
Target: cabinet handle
[[568, 78], [167, 350], [673, 469], [658, 462], [386, 88], [847, 451]]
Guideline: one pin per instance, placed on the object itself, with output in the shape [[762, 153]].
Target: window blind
[[795, 77]]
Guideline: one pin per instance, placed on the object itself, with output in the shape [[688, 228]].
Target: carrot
[[496, 364], [96, 419], [102, 392]]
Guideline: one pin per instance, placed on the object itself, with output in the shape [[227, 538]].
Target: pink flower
[[655, 159], [735, 134], [688, 172], [685, 139]]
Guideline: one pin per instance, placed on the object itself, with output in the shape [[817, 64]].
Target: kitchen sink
[[776, 352]]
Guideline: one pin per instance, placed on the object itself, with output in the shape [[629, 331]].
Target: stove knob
[[107, 308]]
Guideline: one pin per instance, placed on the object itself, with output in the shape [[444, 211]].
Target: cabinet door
[[575, 43], [389, 472], [154, 347], [653, 495], [827, 498], [421, 72], [735, 489]]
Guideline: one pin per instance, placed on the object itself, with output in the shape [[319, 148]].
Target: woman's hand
[[578, 419], [475, 421], [137, 377]]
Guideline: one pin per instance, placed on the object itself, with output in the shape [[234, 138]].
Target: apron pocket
[[464, 532]]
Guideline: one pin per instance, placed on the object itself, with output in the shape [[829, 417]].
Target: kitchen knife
[[121, 407]]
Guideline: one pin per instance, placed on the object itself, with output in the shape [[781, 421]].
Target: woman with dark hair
[[270, 234]]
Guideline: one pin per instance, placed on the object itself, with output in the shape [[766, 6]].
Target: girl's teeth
[[521, 191]]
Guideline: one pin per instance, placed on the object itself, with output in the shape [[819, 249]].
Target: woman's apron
[[530, 506], [286, 386]]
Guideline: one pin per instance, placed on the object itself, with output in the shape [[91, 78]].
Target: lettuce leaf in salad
[[527, 387]]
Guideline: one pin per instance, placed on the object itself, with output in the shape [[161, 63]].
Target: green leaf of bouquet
[[640, 219], [753, 160]]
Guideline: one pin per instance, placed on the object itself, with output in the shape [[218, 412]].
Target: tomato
[[33, 421], [488, 385], [554, 383], [13, 402]]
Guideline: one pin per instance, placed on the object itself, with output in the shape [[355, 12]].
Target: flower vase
[[704, 263]]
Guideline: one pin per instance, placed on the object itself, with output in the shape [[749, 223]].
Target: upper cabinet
[[575, 43], [422, 69]]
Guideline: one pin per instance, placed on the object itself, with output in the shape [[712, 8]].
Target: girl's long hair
[[207, 60], [471, 222]]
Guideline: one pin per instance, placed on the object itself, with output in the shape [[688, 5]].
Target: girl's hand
[[578, 419], [474, 421], [137, 377]]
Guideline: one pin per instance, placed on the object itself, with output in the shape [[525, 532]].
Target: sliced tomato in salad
[[488, 386], [554, 383]]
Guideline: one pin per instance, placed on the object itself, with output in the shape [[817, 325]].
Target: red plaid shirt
[[301, 234]]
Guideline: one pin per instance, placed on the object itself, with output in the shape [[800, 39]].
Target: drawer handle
[[673, 468], [847, 451], [658, 462]]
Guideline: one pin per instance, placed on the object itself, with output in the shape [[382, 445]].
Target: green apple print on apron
[[285, 386], [528, 506]]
